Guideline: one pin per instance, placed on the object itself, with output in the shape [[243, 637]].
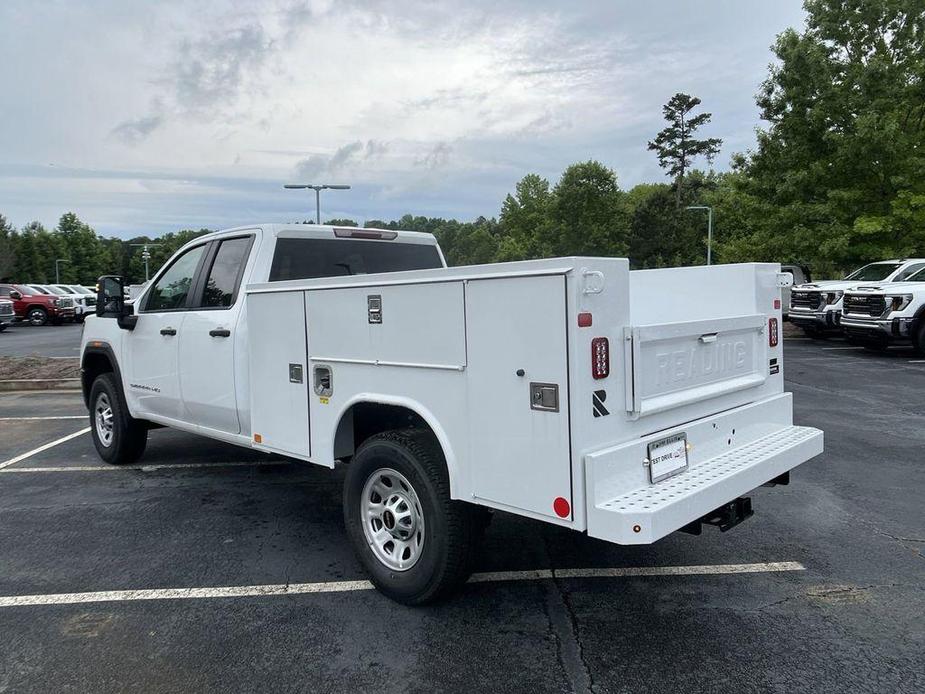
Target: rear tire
[[119, 438], [37, 316], [414, 541]]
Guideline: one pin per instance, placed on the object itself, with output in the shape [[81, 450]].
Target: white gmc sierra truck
[[626, 405], [817, 306], [878, 316]]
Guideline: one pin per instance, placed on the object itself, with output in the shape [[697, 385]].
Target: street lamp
[[146, 254], [709, 228], [58, 270], [317, 189]]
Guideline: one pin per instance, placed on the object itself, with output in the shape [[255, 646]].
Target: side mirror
[[110, 302], [15, 295]]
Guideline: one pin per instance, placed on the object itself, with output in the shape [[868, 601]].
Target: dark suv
[[36, 308]]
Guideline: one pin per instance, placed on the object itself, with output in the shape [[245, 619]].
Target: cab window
[[171, 289], [305, 258], [906, 273], [224, 277]]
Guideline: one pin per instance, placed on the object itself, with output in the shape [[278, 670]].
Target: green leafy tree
[[7, 249], [676, 146], [526, 220], [587, 213], [840, 166]]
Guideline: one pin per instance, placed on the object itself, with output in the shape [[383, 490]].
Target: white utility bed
[[497, 361]]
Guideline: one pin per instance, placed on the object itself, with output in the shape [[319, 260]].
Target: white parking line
[[143, 468], [35, 419], [839, 349], [56, 442], [349, 586]]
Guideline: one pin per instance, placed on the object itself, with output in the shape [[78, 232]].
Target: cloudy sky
[[146, 117]]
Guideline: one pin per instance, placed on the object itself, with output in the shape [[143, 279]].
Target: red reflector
[[776, 304], [561, 507], [584, 320], [600, 357], [773, 334]]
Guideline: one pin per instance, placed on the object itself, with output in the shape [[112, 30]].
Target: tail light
[[773, 332], [600, 357]]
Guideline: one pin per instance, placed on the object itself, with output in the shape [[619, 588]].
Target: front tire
[[814, 333], [119, 438], [918, 340], [414, 541], [37, 316]]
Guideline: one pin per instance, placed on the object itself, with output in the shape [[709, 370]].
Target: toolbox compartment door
[[518, 395], [675, 364]]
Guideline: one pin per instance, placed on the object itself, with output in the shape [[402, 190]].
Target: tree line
[[837, 176]]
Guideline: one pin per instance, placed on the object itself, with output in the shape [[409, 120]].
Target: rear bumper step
[[707, 489]]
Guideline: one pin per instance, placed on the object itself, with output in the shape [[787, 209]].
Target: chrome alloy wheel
[[393, 521], [102, 416]]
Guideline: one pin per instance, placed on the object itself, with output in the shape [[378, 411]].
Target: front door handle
[[168, 331], [220, 332]]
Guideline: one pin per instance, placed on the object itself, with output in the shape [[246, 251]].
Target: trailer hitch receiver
[[725, 517]]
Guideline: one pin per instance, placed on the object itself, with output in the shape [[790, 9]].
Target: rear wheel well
[[366, 419], [94, 364]]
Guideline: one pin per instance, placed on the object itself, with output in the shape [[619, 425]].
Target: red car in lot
[[36, 308]]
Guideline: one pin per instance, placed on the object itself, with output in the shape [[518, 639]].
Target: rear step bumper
[[649, 513]]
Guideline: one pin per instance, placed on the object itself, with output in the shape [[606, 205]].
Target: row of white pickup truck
[[875, 306]]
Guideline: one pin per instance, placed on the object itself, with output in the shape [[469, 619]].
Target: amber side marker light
[[258, 438]]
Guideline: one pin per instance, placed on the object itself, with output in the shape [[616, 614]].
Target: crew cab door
[[207, 344], [151, 353]]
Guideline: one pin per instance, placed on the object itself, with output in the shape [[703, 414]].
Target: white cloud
[[427, 107]]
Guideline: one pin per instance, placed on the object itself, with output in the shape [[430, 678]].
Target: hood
[[827, 285], [890, 288]]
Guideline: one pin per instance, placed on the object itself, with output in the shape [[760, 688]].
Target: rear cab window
[[307, 258]]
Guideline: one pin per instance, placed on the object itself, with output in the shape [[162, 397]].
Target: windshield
[[77, 289], [34, 288], [55, 290], [874, 272]]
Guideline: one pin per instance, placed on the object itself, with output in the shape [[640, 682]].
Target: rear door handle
[[168, 331], [220, 332]]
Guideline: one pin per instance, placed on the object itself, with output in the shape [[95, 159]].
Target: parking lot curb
[[7, 386]]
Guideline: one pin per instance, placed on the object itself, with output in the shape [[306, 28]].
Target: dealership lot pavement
[[22, 340], [822, 590]]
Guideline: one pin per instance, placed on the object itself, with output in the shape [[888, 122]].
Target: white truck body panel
[[494, 361], [450, 346]]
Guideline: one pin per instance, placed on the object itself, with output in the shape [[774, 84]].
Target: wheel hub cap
[[393, 521], [102, 416]]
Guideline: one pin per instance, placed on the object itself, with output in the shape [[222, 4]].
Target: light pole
[[317, 189], [709, 228], [58, 269], [146, 254]]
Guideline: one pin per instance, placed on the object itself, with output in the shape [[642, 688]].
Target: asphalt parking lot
[[23, 340], [232, 570]]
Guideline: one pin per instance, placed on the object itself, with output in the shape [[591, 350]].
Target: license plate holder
[[667, 457]]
